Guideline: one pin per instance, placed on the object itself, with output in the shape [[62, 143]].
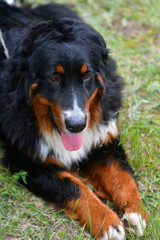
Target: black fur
[[106, 155], [42, 180], [36, 41]]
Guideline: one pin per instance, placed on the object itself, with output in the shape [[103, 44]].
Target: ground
[[131, 30]]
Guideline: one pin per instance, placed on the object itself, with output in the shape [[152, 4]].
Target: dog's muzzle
[[75, 125]]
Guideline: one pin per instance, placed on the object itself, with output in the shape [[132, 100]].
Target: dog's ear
[[105, 55], [111, 102], [103, 60], [100, 47]]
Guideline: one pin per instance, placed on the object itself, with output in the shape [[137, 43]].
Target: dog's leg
[[113, 178], [66, 191], [89, 210]]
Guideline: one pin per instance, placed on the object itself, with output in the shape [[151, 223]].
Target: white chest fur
[[91, 137]]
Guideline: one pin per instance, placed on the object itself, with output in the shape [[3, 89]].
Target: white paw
[[136, 220], [115, 233]]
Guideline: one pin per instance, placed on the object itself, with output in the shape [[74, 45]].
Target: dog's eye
[[55, 78], [86, 76]]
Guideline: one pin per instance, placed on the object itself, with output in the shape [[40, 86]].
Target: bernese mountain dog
[[59, 100]]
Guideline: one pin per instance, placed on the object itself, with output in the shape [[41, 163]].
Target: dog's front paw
[[135, 221], [111, 227], [116, 233]]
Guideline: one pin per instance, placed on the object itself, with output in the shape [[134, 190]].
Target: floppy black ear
[[105, 54], [104, 49], [100, 48], [111, 102], [103, 60]]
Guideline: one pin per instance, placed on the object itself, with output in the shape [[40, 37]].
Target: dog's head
[[69, 81]]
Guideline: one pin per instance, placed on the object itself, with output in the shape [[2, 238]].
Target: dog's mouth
[[72, 142]]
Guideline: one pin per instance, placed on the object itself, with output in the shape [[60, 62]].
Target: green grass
[[131, 30]]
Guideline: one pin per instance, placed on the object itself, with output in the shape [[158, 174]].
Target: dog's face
[[63, 73], [68, 84]]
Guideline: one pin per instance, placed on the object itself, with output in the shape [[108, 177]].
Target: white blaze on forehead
[[75, 112]]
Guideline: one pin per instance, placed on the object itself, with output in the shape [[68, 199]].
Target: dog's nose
[[75, 125]]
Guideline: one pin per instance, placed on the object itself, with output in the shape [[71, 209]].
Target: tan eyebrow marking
[[32, 88], [100, 78], [84, 68], [60, 69]]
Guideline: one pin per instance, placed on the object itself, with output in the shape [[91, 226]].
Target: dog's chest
[[52, 144]]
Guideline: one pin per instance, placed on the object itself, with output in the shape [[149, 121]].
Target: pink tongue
[[72, 142]]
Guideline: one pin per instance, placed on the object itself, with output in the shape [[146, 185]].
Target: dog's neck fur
[[91, 138]]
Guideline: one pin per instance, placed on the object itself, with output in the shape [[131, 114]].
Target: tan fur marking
[[116, 184], [41, 107], [93, 107], [32, 88], [89, 209], [60, 69], [84, 68], [110, 137], [100, 78], [54, 161]]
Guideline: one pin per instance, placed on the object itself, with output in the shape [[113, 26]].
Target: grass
[[131, 30]]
